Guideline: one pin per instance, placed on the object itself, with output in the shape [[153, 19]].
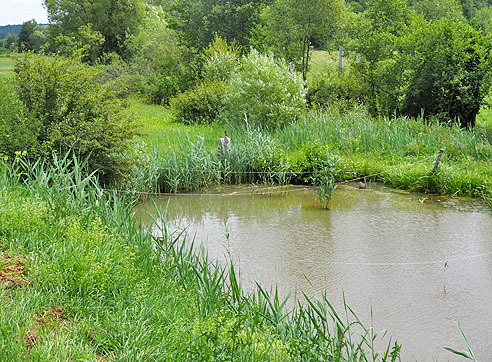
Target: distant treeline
[[9, 29]]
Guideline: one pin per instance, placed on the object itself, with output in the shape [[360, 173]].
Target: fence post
[[438, 160]]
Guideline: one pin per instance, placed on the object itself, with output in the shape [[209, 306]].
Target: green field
[[6, 65]]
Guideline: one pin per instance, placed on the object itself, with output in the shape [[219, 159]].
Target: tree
[[198, 20], [289, 27], [11, 42], [158, 56], [110, 20], [39, 38], [410, 65], [436, 9], [376, 35], [24, 39], [447, 69]]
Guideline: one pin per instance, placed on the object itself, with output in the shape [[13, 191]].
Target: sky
[[19, 11]]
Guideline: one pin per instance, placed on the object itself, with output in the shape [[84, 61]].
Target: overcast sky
[[19, 11]]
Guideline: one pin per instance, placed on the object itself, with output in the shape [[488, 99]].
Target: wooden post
[[340, 59], [438, 160]]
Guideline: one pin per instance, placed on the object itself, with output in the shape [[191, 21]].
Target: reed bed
[[396, 151]]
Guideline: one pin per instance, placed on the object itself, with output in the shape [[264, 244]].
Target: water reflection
[[383, 249]]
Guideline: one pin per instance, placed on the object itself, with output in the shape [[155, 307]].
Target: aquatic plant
[[324, 178]]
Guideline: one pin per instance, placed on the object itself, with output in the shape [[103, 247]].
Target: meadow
[[6, 65]]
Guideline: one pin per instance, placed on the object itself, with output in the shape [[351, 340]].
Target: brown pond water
[[383, 249]]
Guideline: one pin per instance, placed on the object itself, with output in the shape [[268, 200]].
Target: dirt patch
[[47, 323], [12, 272]]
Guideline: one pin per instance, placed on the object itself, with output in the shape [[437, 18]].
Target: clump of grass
[[324, 178]]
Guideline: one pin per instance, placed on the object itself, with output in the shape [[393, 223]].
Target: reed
[[398, 151]]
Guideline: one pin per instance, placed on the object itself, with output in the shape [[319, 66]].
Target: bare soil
[[12, 271]]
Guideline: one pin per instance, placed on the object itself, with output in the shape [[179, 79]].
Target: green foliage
[[450, 77], [482, 20], [436, 9], [221, 60], [164, 67], [266, 91], [289, 26], [10, 42], [342, 90], [160, 88], [74, 112], [376, 37], [17, 130], [202, 104], [27, 28], [197, 22], [411, 65], [306, 160], [103, 26]]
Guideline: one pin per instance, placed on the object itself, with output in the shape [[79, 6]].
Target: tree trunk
[[305, 60]]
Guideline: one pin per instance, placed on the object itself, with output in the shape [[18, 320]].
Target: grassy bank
[[399, 152], [79, 280]]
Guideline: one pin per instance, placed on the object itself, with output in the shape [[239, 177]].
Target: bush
[[221, 60], [202, 104], [17, 131], [337, 89], [451, 76], [413, 66], [161, 88], [266, 90], [307, 159], [74, 112]]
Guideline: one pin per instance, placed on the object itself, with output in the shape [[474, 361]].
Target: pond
[[419, 262]]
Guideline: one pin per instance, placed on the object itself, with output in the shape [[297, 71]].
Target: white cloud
[[19, 11]]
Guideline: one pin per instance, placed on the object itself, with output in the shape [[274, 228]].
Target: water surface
[[382, 249]]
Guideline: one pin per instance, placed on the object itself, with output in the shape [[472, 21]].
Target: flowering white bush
[[266, 91]]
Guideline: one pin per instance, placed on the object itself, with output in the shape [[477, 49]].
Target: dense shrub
[[202, 104], [450, 77], [221, 60], [17, 130], [73, 111], [413, 66], [160, 88], [266, 90], [307, 159], [343, 90]]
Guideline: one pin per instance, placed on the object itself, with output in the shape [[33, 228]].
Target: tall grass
[[397, 151], [128, 295]]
